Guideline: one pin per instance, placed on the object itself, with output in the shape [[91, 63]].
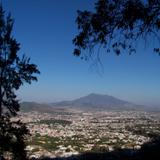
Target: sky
[[45, 29]]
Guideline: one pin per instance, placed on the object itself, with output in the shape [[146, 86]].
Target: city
[[73, 131]]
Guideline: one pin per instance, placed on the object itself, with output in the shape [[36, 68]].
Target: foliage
[[14, 71], [12, 136], [46, 142], [116, 25]]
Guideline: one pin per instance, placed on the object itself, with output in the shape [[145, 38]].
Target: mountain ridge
[[91, 102], [97, 101]]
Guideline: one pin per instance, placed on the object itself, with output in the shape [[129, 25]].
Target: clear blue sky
[[45, 29]]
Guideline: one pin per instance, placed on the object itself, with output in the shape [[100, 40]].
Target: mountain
[[91, 102], [99, 102]]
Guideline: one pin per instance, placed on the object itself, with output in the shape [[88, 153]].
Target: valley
[[70, 132]]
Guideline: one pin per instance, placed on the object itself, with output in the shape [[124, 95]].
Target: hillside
[[33, 106]]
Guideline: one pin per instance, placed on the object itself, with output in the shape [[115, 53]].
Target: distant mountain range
[[90, 102], [33, 106]]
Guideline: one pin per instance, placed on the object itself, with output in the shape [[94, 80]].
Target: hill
[[33, 106]]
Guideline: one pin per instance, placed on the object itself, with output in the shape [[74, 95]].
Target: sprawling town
[[72, 132]]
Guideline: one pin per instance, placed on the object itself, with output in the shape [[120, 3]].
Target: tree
[[116, 25], [15, 70], [12, 138]]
